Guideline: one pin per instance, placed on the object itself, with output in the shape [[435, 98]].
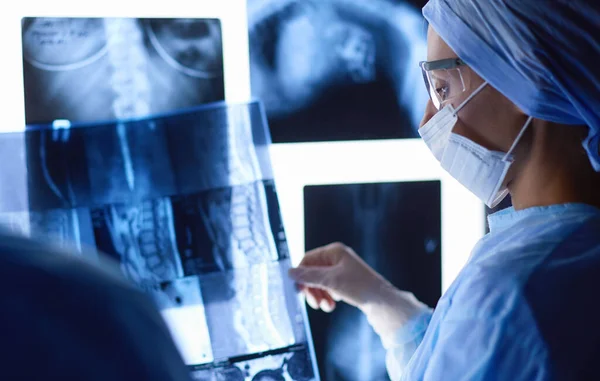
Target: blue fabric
[[64, 319], [541, 54], [524, 307]]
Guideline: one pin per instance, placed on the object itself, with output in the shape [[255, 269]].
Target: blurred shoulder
[[61, 311], [22, 258]]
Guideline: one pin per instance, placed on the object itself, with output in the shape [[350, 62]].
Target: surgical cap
[[543, 55]]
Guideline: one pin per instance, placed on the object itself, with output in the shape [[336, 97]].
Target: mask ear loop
[[506, 157], [473, 94]]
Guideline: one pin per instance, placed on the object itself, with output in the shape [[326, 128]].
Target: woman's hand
[[335, 272]]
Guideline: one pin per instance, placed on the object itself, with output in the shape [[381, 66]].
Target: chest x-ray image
[[187, 204], [338, 69], [396, 229], [92, 69]]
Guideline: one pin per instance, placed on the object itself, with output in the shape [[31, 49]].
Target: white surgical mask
[[477, 168]]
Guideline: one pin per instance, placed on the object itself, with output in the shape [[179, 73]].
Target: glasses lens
[[446, 85], [444, 80], [430, 89]]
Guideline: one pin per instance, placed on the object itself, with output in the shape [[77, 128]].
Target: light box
[[233, 24], [301, 164]]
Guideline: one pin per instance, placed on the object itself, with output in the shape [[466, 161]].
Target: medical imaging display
[[186, 203], [91, 69], [338, 69], [396, 229]]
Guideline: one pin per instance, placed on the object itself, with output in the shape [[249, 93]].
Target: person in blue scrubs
[[515, 108]]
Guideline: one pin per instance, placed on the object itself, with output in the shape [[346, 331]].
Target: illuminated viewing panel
[[233, 32], [338, 70], [396, 207], [298, 165]]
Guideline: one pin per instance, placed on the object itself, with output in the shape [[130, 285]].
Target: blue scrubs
[[525, 306]]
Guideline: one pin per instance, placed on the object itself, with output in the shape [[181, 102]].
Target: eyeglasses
[[444, 80]]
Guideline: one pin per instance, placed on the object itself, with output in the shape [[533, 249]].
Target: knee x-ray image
[[186, 203], [338, 69], [92, 69], [396, 229]]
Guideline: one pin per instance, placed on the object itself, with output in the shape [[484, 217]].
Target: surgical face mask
[[480, 170]]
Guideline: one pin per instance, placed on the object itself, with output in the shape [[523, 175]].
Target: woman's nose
[[430, 111]]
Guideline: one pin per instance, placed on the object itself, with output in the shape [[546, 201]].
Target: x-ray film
[[396, 229], [338, 69], [187, 204], [91, 69]]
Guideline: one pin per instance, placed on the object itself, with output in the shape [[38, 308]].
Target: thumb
[[313, 276]]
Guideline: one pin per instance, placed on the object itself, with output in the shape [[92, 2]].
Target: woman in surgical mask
[[514, 109]]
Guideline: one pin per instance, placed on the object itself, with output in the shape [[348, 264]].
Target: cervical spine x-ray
[[396, 229], [132, 162]]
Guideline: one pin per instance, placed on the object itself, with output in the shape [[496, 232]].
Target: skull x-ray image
[[187, 204], [395, 228], [92, 69], [338, 69]]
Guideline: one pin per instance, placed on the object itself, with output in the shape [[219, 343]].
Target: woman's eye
[[442, 92]]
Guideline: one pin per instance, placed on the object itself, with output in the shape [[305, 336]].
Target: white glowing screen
[[301, 164]]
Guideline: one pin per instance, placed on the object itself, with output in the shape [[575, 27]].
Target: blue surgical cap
[[543, 55]]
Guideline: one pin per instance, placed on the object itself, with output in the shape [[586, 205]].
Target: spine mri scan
[[187, 204]]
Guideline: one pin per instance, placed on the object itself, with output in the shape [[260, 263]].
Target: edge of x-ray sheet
[[232, 14]]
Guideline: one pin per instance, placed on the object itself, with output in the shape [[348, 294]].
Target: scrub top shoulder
[[504, 317]]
